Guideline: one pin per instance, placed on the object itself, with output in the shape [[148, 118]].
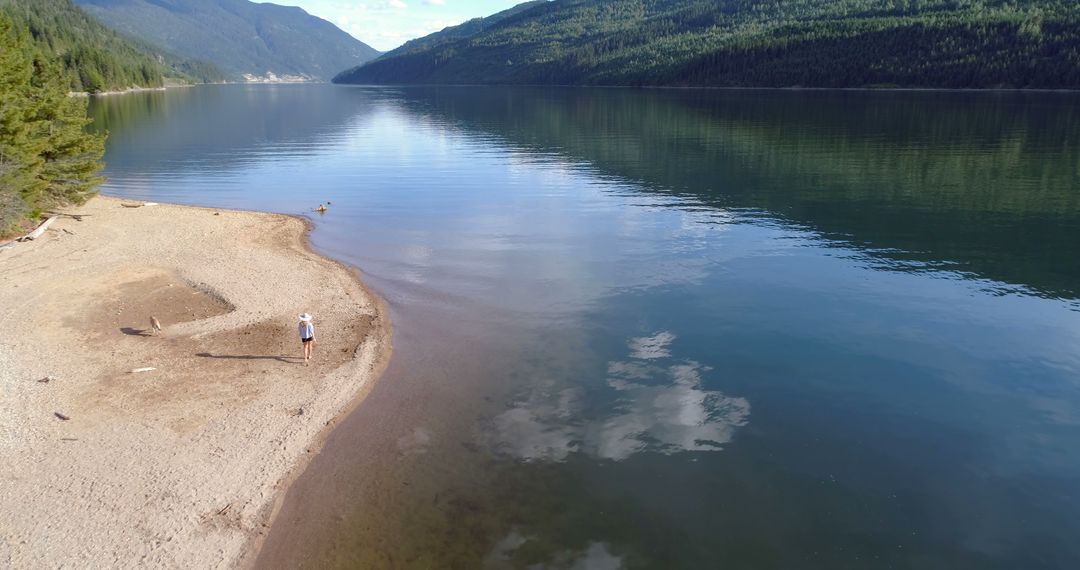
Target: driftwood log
[[39, 230]]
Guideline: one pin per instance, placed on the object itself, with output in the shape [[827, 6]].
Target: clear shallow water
[[672, 329]]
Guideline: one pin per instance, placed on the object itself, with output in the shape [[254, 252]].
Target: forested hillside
[[239, 36], [94, 57], [772, 43], [46, 156]]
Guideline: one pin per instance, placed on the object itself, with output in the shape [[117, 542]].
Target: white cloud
[[386, 24]]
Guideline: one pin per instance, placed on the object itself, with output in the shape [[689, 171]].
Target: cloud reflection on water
[[651, 347], [656, 406], [595, 556]]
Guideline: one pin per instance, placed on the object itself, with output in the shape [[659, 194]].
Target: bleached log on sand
[[40, 230]]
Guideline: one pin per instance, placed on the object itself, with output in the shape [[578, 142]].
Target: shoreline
[[194, 457], [131, 90], [121, 91], [1063, 90], [250, 552]]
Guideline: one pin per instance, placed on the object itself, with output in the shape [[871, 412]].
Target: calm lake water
[[669, 329]]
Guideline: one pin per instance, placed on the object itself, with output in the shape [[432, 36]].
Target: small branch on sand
[[76, 217], [46, 379], [61, 416], [224, 509], [146, 369], [126, 205]]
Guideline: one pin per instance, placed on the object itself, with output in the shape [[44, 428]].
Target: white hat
[[304, 317]]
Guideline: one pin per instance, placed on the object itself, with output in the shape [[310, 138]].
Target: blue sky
[[386, 24]]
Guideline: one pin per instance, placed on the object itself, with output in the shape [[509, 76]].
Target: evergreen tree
[[20, 159], [46, 156], [95, 58], [71, 156]]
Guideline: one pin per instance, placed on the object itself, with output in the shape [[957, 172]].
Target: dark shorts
[[307, 339]]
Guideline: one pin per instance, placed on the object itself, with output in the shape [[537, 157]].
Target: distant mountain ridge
[[760, 43], [241, 37]]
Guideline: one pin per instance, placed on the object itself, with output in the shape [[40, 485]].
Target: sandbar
[[183, 465]]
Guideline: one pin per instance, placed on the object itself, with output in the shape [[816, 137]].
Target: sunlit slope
[[239, 36], [96, 58]]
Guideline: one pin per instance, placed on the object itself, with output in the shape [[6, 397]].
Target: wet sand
[[183, 465]]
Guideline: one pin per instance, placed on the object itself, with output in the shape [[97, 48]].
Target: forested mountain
[[46, 156], [94, 57], [238, 36], [465, 30], [773, 43]]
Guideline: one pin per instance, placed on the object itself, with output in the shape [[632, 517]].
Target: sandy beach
[[184, 465]]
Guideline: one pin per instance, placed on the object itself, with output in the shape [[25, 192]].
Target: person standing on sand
[[307, 335]]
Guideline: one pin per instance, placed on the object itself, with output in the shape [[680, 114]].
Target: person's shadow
[[249, 357]]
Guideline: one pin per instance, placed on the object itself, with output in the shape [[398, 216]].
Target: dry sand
[[182, 466]]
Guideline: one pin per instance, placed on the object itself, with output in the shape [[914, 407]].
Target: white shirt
[[307, 330]]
